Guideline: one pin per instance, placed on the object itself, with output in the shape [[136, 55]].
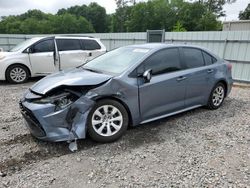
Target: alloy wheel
[[107, 120], [18, 74], [218, 95]]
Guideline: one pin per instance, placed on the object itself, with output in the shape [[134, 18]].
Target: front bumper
[[64, 125]]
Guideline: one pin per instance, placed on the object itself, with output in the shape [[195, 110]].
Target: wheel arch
[[20, 64], [121, 102], [224, 83]]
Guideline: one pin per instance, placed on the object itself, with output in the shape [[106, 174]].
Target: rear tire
[[217, 96], [107, 121], [17, 74]]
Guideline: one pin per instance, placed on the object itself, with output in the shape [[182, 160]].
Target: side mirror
[[147, 75], [28, 50]]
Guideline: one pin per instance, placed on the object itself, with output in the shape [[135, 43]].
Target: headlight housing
[[60, 101]]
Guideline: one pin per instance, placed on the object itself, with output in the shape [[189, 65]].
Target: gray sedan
[[130, 85]]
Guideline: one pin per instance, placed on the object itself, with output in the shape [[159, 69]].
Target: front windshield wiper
[[91, 70]]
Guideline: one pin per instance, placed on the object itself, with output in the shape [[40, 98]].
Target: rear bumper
[[229, 86]]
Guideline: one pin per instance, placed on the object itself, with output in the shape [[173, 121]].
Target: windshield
[[116, 61], [21, 45]]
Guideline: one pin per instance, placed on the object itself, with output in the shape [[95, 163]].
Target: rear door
[[92, 47], [200, 76], [42, 57], [71, 53], [165, 93]]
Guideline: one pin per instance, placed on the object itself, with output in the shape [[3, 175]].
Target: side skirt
[[170, 114]]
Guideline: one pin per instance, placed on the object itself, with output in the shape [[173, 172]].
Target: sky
[[15, 7]]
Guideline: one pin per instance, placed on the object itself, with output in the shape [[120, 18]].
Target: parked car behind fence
[[41, 56]]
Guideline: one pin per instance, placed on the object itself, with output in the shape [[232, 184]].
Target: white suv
[[43, 55]]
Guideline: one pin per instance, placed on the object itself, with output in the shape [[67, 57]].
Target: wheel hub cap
[[18, 74], [218, 95], [107, 120]]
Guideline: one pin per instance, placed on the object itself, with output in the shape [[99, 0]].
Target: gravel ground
[[200, 148]]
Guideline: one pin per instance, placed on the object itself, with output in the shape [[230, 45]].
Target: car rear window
[[209, 60], [90, 44], [68, 44]]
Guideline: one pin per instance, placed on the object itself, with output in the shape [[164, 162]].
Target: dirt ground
[[199, 148]]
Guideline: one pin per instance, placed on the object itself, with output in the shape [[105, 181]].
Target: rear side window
[[209, 60], [44, 46], [164, 61], [193, 57], [68, 44], [90, 44]]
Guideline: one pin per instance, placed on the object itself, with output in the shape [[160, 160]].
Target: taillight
[[229, 66]]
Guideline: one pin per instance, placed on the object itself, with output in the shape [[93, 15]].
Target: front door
[[165, 93], [41, 57]]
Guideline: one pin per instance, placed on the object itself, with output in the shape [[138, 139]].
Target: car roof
[[151, 45], [162, 45], [74, 37], [158, 46], [64, 37]]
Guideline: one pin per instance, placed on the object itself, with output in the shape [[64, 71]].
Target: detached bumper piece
[[31, 122]]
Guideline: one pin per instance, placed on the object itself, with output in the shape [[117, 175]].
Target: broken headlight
[[60, 101]]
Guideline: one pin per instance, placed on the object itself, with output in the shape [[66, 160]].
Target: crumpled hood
[[72, 77]]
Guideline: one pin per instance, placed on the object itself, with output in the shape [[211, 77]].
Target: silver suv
[[41, 56]]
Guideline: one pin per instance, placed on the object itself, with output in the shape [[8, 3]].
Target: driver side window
[[44, 46], [164, 61]]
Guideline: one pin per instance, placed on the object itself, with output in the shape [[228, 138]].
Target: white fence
[[231, 45]]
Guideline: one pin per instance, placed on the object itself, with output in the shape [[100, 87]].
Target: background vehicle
[[130, 85], [43, 55]]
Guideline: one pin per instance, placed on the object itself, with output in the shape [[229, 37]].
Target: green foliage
[[37, 22], [215, 6], [245, 15], [164, 14], [94, 13], [174, 15], [178, 27]]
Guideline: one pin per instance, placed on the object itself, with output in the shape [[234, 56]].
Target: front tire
[[107, 121], [217, 96], [17, 74]]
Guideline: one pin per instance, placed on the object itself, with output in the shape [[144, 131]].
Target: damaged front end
[[59, 115]]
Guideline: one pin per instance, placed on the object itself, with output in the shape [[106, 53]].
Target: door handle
[[210, 70], [181, 78]]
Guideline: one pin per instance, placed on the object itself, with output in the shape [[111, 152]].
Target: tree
[[178, 27], [37, 22], [124, 3], [94, 13], [177, 15], [120, 19], [208, 22], [245, 15], [163, 14], [216, 6], [98, 17]]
